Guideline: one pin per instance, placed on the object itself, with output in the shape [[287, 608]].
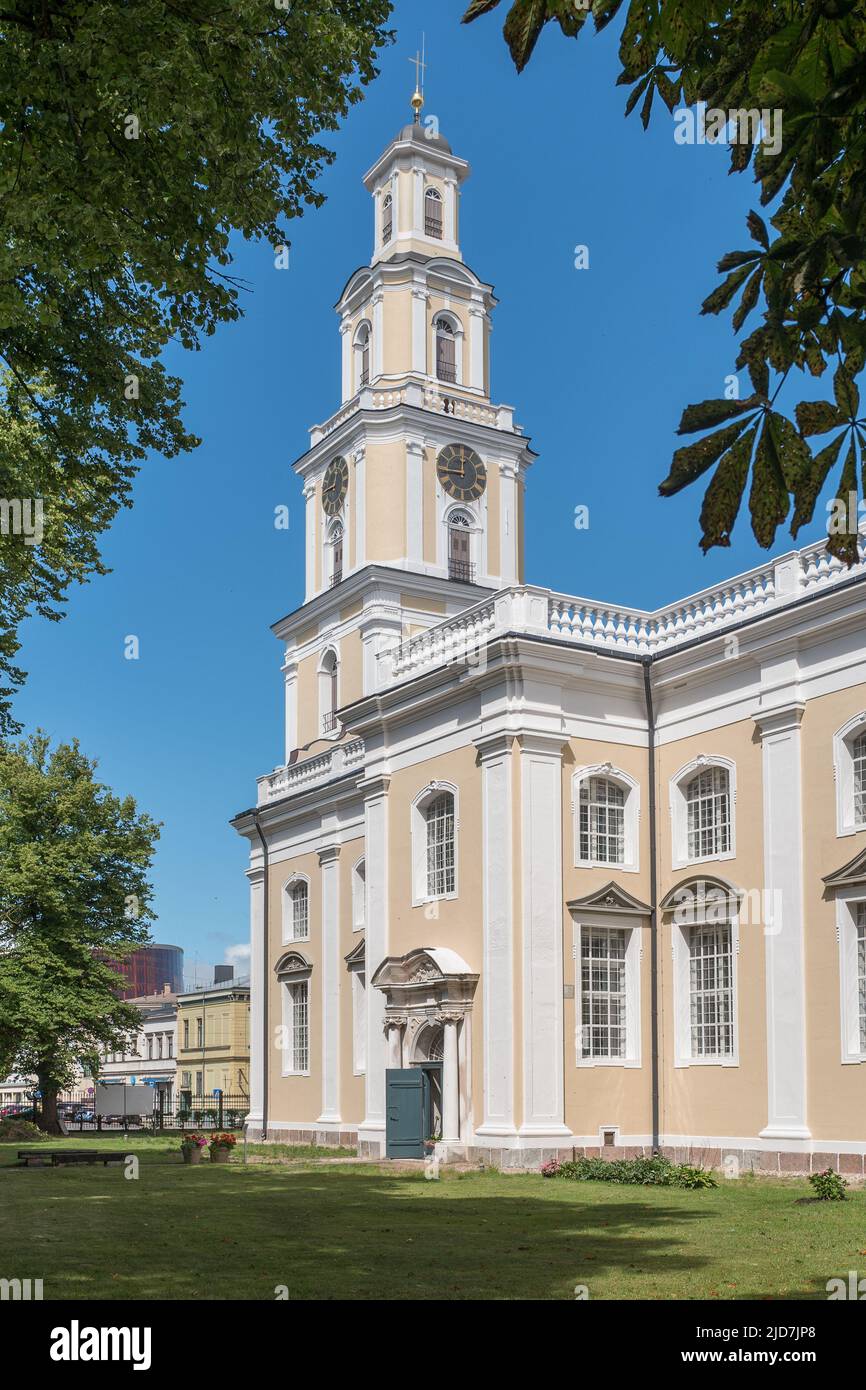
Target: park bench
[[57, 1157]]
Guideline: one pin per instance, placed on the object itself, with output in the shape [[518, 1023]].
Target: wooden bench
[[58, 1157]]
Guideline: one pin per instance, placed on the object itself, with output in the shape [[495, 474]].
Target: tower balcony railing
[[311, 772], [433, 227], [540, 612], [464, 570], [424, 395], [446, 371]]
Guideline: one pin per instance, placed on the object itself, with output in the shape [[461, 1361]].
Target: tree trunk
[[46, 1114]]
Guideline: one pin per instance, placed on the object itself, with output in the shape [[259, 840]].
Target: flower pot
[[220, 1154], [191, 1155]]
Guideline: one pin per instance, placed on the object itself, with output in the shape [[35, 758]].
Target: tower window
[[446, 352], [328, 691], [362, 356], [433, 213], [335, 546], [387, 217], [460, 564]]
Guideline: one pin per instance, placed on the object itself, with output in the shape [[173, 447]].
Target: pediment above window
[[356, 958], [610, 898], [292, 966], [702, 899], [850, 874]]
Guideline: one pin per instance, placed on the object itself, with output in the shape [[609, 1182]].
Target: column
[[376, 948], [508, 523], [450, 1081], [378, 345], [329, 864], [414, 502], [477, 322], [394, 1026], [346, 358], [290, 676], [256, 877], [542, 909], [310, 540], [498, 939], [784, 934]]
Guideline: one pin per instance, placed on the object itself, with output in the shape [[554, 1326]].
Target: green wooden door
[[406, 1106]]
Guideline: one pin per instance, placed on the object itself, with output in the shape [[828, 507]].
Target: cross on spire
[[418, 94]]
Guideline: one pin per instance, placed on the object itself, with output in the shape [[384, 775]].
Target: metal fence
[[180, 1111]]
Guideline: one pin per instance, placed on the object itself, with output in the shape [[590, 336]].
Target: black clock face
[[461, 472], [334, 485]]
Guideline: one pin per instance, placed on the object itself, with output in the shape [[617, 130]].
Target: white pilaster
[[477, 324], [290, 676], [329, 862], [784, 933], [376, 948], [394, 1031], [346, 358], [418, 202], [310, 540], [450, 210], [414, 501], [360, 457], [498, 942], [256, 879], [542, 911], [508, 523], [419, 330], [378, 345], [450, 1082]]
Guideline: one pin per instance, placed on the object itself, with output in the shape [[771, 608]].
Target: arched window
[[387, 217], [460, 564], [439, 817], [362, 356], [329, 673], [446, 351], [602, 821], [858, 749], [335, 551], [296, 910], [708, 812], [433, 213]]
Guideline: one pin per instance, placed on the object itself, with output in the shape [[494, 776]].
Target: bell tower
[[418, 469]]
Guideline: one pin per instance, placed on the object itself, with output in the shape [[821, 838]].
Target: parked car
[[81, 1115], [20, 1112]]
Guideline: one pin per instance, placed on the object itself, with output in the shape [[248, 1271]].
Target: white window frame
[[418, 821], [359, 1018], [679, 810], [288, 907], [433, 195], [847, 903], [289, 989], [843, 773], [364, 326], [359, 893], [328, 704], [633, 957], [696, 915], [631, 816], [456, 327]]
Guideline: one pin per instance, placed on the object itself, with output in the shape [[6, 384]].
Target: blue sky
[[598, 363]]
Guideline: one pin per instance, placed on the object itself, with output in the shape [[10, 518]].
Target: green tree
[[135, 137], [74, 861], [806, 63]]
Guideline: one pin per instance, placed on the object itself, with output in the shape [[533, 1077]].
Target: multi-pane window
[[433, 213], [602, 821], [446, 351], [440, 846], [300, 896], [861, 972], [858, 749], [711, 990], [387, 217], [708, 803], [603, 992], [297, 1031]]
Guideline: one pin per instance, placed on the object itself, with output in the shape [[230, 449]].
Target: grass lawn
[[358, 1232]]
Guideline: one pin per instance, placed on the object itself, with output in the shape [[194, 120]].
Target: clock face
[[334, 485], [461, 472]]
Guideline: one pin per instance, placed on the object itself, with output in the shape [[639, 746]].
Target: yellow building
[[213, 1040], [541, 873]]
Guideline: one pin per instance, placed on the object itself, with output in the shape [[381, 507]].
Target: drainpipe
[[646, 662], [264, 845]]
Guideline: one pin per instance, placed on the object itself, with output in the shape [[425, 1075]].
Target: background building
[[213, 1037], [149, 1060], [149, 970]]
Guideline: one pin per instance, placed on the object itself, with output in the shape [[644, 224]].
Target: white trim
[[359, 892], [681, 953], [843, 774], [325, 686], [498, 942], [846, 936], [679, 809], [456, 324], [287, 908], [631, 817], [287, 1000], [414, 500], [376, 936], [418, 825], [358, 985], [329, 874], [633, 955]]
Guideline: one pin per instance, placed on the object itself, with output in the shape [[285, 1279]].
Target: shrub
[[639, 1172], [828, 1186], [20, 1131]]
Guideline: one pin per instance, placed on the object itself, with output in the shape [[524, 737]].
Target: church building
[[540, 875]]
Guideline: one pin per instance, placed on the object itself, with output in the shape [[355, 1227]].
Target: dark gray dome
[[417, 134]]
